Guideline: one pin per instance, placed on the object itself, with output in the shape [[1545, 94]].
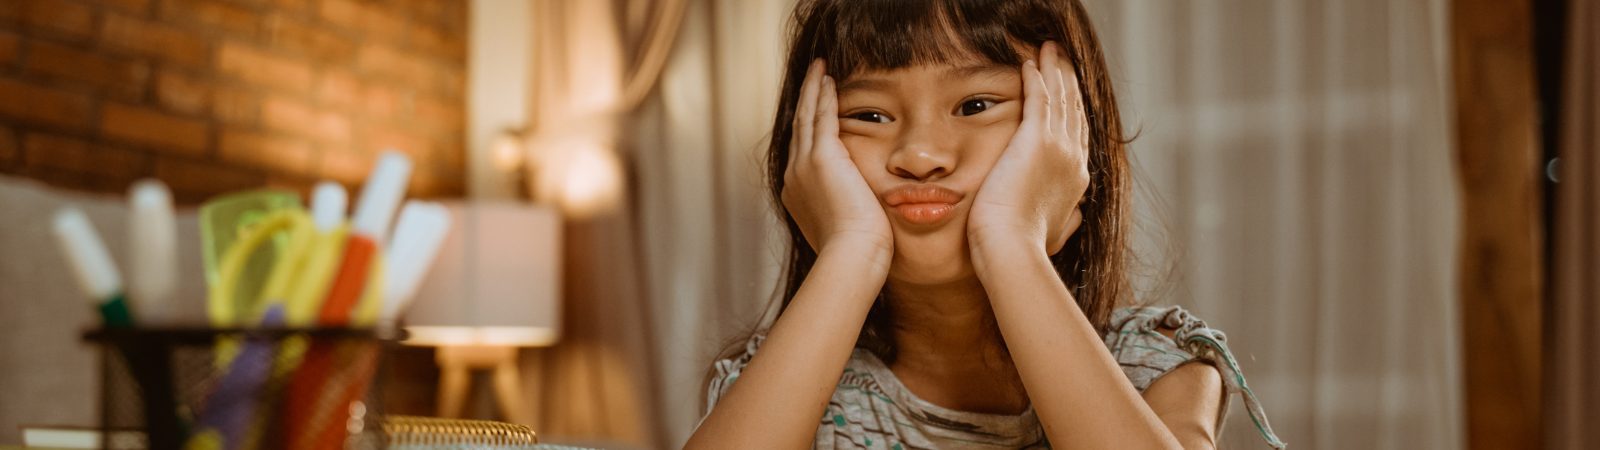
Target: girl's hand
[[822, 189], [1031, 196]]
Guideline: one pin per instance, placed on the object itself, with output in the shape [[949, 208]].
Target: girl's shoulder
[[1151, 341]]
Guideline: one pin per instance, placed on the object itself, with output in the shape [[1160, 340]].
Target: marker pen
[[92, 264], [379, 199], [152, 251]]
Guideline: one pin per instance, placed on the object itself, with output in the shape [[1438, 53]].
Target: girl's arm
[[1025, 210], [780, 396], [1080, 392]]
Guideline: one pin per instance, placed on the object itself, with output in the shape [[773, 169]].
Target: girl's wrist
[[872, 254], [997, 251]]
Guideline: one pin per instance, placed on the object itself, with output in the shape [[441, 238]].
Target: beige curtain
[[1297, 173], [1573, 387], [707, 232], [595, 387]]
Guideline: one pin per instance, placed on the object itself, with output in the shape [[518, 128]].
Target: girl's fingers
[[827, 118], [1049, 66], [806, 110], [1033, 96], [1079, 125]]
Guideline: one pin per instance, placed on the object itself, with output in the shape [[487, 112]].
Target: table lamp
[[494, 288]]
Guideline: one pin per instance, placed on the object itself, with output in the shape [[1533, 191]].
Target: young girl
[[955, 181]]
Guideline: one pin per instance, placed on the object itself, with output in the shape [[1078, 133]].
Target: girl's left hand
[[1030, 197]]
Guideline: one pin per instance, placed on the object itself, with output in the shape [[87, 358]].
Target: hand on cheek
[[1029, 200], [822, 189]]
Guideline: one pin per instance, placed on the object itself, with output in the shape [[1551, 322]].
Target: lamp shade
[[496, 280]]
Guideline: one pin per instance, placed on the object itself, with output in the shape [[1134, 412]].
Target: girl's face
[[924, 137]]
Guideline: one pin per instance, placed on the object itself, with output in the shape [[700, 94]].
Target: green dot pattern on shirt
[[838, 420]]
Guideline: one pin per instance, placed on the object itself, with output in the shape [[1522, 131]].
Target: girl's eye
[[974, 106], [869, 116]]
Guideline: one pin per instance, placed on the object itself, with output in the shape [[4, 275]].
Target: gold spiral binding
[[412, 430]]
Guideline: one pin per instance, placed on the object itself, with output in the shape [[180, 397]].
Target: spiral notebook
[[432, 433], [402, 432]]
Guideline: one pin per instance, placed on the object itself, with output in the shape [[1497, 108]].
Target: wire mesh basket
[[266, 389]]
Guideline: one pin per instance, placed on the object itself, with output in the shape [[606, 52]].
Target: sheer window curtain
[[708, 236], [1297, 175]]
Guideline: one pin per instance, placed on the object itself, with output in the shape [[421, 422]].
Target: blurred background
[[1389, 206]]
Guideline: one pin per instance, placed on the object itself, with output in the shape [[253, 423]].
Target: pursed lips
[[923, 204]]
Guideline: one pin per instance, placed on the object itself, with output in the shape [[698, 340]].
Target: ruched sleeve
[[1145, 353]]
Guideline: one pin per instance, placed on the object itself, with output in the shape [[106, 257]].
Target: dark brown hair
[[856, 35]]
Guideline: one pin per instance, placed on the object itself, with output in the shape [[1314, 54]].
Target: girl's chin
[[948, 274], [920, 266]]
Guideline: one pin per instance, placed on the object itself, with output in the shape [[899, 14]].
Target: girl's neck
[[946, 326], [949, 348]]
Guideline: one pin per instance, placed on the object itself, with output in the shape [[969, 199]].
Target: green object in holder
[[222, 221]]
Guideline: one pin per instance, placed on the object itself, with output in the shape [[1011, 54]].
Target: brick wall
[[219, 95]]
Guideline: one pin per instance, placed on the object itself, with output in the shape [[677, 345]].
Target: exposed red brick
[[387, 63], [386, 102], [237, 106], [420, 149], [8, 147], [425, 182], [339, 89], [230, 18], [193, 182], [41, 105], [221, 95], [153, 39], [373, 20], [287, 182], [117, 75], [439, 115], [343, 14], [265, 151], [44, 151], [64, 18], [182, 93], [293, 35], [452, 81], [299, 118], [450, 156], [10, 47], [161, 132], [345, 165], [134, 6], [257, 67], [434, 41], [297, 6], [384, 24]]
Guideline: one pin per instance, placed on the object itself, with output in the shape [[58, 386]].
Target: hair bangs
[[871, 35]]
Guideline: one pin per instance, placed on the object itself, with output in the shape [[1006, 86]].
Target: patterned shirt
[[870, 409]]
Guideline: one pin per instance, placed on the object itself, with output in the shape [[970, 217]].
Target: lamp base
[[456, 363]]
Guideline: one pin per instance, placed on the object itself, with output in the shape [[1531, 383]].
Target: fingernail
[[1028, 64]]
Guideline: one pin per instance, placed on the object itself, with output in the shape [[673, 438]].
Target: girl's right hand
[[822, 189]]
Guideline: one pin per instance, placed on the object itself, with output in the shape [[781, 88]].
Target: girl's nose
[[923, 155]]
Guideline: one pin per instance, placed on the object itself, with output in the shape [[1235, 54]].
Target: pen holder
[[200, 388]]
